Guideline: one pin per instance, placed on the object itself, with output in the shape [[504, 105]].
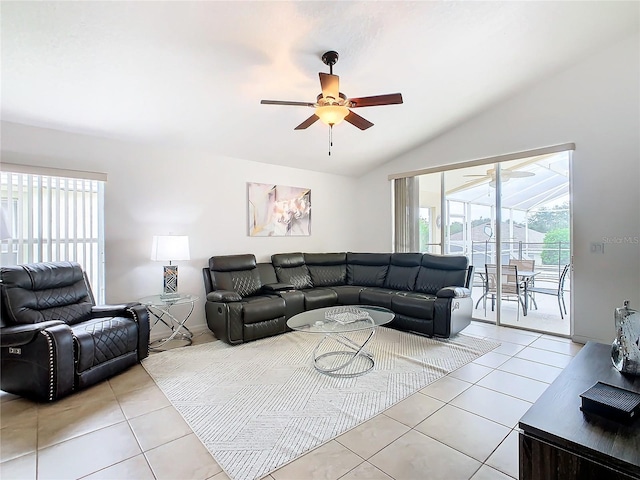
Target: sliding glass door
[[512, 220], [535, 243]]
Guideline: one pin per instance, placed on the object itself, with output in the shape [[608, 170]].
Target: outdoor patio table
[[524, 276]]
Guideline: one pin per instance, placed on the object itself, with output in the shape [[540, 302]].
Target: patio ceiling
[[549, 184]]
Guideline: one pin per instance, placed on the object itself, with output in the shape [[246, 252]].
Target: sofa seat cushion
[[348, 294], [102, 339], [380, 297], [414, 305], [259, 309], [223, 296], [319, 298]]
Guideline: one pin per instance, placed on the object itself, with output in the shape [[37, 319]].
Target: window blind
[[46, 218], [406, 212]]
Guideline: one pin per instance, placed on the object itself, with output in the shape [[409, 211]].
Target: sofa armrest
[[223, 296], [120, 310], [452, 314], [18, 335], [277, 287], [453, 292], [140, 314], [42, 368]]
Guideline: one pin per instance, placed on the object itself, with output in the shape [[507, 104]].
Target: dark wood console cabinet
[[559, 441]]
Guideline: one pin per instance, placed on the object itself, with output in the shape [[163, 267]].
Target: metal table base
[[355, 351], [161, 310]]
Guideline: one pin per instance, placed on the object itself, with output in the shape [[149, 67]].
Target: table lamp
[[170, 248]]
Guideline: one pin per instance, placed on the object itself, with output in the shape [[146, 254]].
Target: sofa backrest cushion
[[267, 273], [290, 268], [39, 292], [327, 269], [403, 270], [238, 273], [439, 271], [367, 269]]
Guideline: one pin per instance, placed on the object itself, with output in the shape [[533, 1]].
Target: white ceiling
[[192, 74]]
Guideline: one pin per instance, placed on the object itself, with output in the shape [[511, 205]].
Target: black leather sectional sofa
[[246, 300]]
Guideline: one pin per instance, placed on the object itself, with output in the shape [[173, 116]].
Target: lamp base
[[170, 282]]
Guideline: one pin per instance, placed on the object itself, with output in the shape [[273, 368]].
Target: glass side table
[[163, 310]]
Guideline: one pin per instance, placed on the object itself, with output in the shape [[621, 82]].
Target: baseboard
[[584, 340]]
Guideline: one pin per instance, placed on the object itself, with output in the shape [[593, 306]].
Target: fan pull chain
[[330, 137]]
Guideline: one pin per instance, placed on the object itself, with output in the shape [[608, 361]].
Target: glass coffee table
[[333, 323]]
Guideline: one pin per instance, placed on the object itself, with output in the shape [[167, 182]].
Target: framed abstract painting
[[278, 210]]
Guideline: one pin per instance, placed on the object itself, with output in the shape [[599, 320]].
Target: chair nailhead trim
[[47, 335], [133, 314]]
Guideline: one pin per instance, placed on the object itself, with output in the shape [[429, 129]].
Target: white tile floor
[[459, 427]]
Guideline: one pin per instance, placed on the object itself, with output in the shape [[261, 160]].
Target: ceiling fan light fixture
[[332, 114]]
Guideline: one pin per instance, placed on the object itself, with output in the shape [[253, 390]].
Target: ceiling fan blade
[[308, 122], [330, 85], [520, 173], [280, 102], [390, 99], [358, 121]]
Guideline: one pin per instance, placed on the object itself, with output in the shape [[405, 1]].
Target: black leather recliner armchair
[[55, 340]]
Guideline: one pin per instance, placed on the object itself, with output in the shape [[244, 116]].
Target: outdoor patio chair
[[558, 292], [525, 266], [511, 286]]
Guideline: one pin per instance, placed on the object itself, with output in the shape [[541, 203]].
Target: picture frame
[[278, 210]]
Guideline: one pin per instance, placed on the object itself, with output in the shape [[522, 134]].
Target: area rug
[[259, 405]]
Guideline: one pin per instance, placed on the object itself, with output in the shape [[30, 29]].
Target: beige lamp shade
[[170, 248]]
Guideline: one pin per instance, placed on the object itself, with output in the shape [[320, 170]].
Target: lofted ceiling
[[191, 75]]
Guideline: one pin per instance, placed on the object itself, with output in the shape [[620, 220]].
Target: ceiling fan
[[505, 175], [333, 106]]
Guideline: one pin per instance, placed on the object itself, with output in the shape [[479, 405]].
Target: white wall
[[153, 192], [596, 105]]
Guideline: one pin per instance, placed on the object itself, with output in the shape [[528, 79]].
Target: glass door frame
[[497, 214]]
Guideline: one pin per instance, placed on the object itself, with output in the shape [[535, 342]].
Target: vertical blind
[[406, 212], [51, 218]]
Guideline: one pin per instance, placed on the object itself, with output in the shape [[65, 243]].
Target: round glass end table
[[162, 309]]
